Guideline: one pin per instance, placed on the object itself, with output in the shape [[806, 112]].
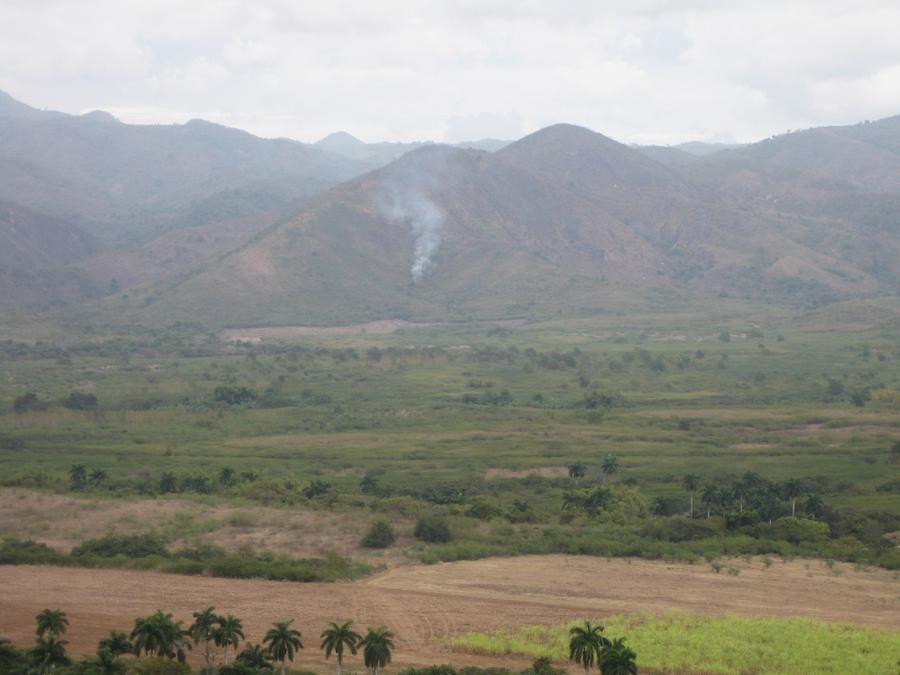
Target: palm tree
[[226, 476], [740, 492], [792, 489], [691, 483], [377, 647], [202, 631], [814, 506], [572, 500], [117, 644], [335, 638], [160, 635], [709, 497], [282, 642], [618, 659], [229, 632], [48, 653], [53, 622], [78, 476], [97, 477], [107, 663], [577, 471], [610, 465], [585, 644], [254, 656]]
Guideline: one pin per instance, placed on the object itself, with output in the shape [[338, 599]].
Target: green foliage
[[78, 400], [432, 529], [685, 642], [130, 546], [379, 535]]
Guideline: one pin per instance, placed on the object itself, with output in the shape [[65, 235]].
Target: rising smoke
[[405, 198]]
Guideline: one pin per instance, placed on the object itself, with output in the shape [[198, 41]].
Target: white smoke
[[405, 199]]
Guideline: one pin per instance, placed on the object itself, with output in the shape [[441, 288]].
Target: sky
[[641, 71]]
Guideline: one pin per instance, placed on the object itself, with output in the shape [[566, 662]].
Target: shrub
[[233, 395], [380, 535], [433, 529], [78, 400], [158, 666], [131, 546]]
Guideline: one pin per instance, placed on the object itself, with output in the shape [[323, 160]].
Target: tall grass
[[681, 642]]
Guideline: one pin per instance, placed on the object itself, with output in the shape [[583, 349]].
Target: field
[[430, 606], [543, 455]]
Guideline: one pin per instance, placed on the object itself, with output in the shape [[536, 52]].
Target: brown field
[[424, 605], [64, 521]]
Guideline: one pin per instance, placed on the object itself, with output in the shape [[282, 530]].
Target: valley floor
[[427, 605]]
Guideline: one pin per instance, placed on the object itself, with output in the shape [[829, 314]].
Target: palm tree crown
[[618, 659], [377, 647], [336, 637], [53, 622], [229, 632], [585, 644], [283, 642], [160, 635]]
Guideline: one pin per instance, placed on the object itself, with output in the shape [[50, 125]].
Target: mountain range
[[199, 223]]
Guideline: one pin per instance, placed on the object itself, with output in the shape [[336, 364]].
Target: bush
[[233, 395], [80, 401], [433, 529], [131, 546], [380, 535], [158, 666]]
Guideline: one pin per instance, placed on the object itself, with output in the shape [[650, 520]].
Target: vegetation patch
[[681, 642]]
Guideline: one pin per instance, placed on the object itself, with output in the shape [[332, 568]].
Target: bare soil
[[425, 605]]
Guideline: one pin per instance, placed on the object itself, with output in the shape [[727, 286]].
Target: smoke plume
[[406, 199]]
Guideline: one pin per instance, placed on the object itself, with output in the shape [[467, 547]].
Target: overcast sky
[[648, 71]]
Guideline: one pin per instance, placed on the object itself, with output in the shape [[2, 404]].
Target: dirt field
[[426, 604], [383, 327]]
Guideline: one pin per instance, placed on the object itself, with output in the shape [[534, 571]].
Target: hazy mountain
[[379, 154], [223, 228], [563, 221]]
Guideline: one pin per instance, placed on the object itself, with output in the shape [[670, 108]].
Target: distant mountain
[[203, 224], [563, 221], [379, 154], [153, 199]]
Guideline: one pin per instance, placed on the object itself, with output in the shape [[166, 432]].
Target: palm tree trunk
[[587, 669], [692, 506], [283, 666], [337, 666], [226, 653], [793, 506], [708, 507]]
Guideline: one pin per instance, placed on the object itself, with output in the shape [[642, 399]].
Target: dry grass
[[427, 605]]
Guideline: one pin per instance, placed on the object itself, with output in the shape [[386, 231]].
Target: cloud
[[641, 71]]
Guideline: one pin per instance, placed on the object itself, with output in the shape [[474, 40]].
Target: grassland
[[479, 424], [680, 642]]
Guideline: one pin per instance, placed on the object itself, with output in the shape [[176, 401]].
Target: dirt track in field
[[424, 605]]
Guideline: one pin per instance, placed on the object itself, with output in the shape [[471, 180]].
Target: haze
[[643, 72]]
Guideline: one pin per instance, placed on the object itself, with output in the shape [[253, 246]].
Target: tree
[[572, 500], [380, 535], [709, 497], [51, 622], [577, 471], [78, 400], [335, 638], [368, 485], [792, 489], [97, 477], [78, 476], [814, 506], [432, 529], [168, 483], [618, 659], [48, 653], [117, 644], [27, 403], [226, 476], [160, 635], [610, 465], [377, 647], [230, 631], [282, 642], [202, 631], [107, 663], [254, 656], [691, 483], [585, 644]]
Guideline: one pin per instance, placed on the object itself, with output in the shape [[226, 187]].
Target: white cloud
[[640, 71]]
